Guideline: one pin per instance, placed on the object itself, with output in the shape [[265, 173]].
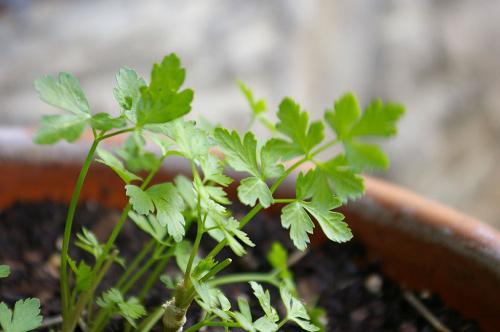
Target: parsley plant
[[165, 211]]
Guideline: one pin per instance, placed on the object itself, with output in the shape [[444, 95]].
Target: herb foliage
[[153, 113]]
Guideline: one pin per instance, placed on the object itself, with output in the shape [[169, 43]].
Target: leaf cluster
[[152, 115]]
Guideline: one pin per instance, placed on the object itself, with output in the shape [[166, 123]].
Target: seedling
[[154, 113]]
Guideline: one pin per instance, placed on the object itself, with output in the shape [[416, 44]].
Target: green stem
[[201, 324], [244, 277], [65, 306], [114, 234], [191, 293], [219, 267], [194, 251], [144, 268], [133, 266], [118, 132], [155, 274], [103, 315], [70, 324], [199, 234], [283, 322], [283, 200], [324, 147]]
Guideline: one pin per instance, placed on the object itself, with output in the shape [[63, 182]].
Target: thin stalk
[[199, 234], [201, 324], [194, 251], [155, 274], [244, 277], [118, 132], [191, 293], [135, 263], [283, 200], [70, 324], [141, 271], [64, 281], [104, 314], [112, 238], [283, 322]]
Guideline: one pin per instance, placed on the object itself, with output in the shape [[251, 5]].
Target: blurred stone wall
[[440, 58]]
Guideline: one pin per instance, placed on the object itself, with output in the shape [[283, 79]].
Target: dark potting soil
[[337, 277]]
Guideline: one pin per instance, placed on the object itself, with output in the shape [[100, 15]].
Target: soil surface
[[354, 293]]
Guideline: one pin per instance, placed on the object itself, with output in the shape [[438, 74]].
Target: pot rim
[[462, 233], [455, 229]]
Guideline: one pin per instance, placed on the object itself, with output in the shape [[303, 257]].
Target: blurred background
[[440, 58]]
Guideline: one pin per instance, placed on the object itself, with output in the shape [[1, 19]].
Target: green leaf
[[131, 310], [265, 301], [212, 300], [213, 169], [269, 158], [331, 222], [87, 241], [84, 277], [257, 106], [108, 159], [263, 324], [168, 75], [278, 258], [307, 185], [345, 115], [295, 124], [104, 121], [169, 206], [64, 93], [162, 102], [109, 298], [379, 119], [25, 317], [342, 179], [186, 190], [135, 156], [241, 155], [244, 322], [365, 156], [140, 200], [4, 271], [295, 218], [66, 127], [251, 189], [192, 141], [228, 228], [349, 124], [296, 310], [244, 308], [217, 194], [128, 91], [150, 225]]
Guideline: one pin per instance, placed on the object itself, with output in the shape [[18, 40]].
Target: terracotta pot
[[422, 244]]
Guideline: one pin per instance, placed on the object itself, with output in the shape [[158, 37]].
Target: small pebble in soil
[[359, 315], [373, 283], [407, 327]]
